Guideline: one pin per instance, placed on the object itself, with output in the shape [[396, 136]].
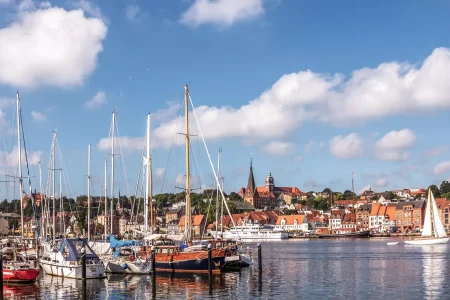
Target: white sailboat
[[433, 231]]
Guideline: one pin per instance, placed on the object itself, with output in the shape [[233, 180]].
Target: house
[[376, 217], [336, 218], [241, 206], [173, 214], [172, 227], [4, 226], [367, 195], [443, 206], [410, 215], [348, 224], [198, 225], [362, 217], [418, 193], [405, 193], [292, 223], [37, 197]]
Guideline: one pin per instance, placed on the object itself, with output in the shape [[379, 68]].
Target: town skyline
[[307, 106]]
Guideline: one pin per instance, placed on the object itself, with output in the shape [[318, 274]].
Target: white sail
[[426, 232], [439, 231]]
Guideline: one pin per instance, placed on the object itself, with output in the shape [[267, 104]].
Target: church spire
[[251, 187]]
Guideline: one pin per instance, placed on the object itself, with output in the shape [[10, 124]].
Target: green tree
[[444, 187], [326, 190], [234, 197], [389, 195], [348, 195], [446, 195], [435, 191]]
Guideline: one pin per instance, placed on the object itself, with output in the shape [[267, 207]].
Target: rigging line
[[121, 156], [65, 175], [210, 161], [28, 169], [171, 147], [137, 184], [197, 167]]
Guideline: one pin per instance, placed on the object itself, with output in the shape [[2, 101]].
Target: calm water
[[315, 269]]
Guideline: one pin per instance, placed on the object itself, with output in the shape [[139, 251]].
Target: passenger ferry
[[251, 232]]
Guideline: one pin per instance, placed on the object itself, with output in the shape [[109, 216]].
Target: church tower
[[270, 185], [250, 192]]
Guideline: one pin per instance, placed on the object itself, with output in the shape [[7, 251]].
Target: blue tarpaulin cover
[[115, 243]]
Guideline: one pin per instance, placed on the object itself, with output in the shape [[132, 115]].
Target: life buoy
[[131, 258]]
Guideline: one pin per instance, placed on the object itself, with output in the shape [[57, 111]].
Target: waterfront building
[[198, 225], [336, 218], [410, 215], [444, 207], [362, 217], [292, 223], [174, 214]]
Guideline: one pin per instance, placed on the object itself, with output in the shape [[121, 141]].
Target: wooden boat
[[433, 231]]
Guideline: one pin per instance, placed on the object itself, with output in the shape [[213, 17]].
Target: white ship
[[64, 260], [251, 232]]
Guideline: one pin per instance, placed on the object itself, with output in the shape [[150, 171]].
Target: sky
[[311, 91]]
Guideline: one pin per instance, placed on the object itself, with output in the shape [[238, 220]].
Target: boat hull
[[364, 234], [427, 241], [20, 276], [92, 271], [115, 267], [190, 262]]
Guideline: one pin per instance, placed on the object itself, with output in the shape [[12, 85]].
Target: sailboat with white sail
[[433, 231]]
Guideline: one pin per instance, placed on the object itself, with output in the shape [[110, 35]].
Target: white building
[[292, 223]]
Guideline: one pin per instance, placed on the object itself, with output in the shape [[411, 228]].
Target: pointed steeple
[[251, 187]]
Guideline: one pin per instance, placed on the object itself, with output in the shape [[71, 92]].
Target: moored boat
[[362, 234], [16, 269], [64, 260], [433, 231]]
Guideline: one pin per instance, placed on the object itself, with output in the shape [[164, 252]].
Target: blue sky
[[311, 90]]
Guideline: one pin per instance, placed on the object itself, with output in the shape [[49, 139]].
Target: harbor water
[[294, 269]]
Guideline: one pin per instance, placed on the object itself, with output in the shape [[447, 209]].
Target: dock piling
[[1, 273], [259, 258], [83, 263], [153, 259], [210, 267], [153, 270]]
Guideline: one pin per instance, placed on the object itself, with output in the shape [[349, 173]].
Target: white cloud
[[160, 173], [45, 5], [37, 116], [278, 148], [26, 5], [89, 8], [9, 160], [132, 11], [313, 144], [392, 146], [98, 100], [312, 97], [442, 167], [366, 188], [349, 146], [221, 12], [65, 46], [127, 144]]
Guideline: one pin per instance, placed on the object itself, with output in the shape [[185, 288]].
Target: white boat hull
[[392, 243], [115, 267], [92, 271], [269, 235], [427, 241], [138, 267]]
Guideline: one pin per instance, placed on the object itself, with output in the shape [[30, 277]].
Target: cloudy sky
[[311, 90]]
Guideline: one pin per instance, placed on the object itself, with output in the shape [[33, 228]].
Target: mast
[[106, 197], [112, 168], [147, 176], [19, 149], [188, 174], [89, 194], [152, 221], [54, 183], [42, 230], [62, 225], [221, 211], [217, 192]]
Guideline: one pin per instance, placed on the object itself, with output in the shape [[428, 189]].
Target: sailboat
[[433, 231], [18, 268], [170, 257]]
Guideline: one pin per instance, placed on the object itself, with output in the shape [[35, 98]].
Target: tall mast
[[54, 183], [151, 196], [112, 168], [19, 149], [106, 197], [221, 211], [217, 192], [188, 172], [42, 230], [147, 176], [353, 190], [89, 194], [62, 225]]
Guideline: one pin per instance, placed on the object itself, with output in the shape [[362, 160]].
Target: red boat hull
[[20, 276]]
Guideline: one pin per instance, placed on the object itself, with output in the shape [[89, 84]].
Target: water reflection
[[433, 270], [340, 269]]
